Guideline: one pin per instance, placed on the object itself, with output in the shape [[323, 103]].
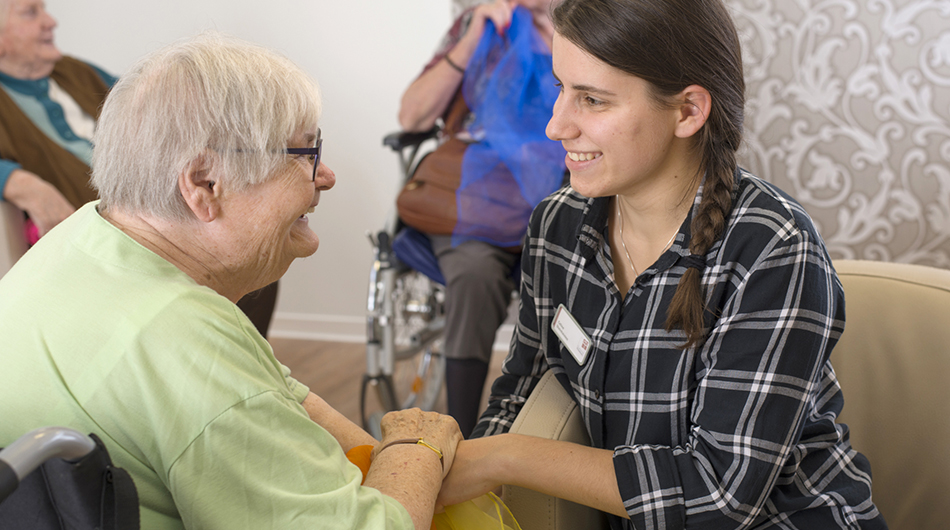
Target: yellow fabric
[[487, 512]]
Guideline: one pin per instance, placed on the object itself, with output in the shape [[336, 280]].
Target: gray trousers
[[477, 293]]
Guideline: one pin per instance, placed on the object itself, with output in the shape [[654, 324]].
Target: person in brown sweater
[[49, 104]]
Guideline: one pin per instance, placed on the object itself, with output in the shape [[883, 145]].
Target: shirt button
[[597, 395]]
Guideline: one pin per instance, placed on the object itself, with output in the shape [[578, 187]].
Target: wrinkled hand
[[499, 12], [438, 430], [45, 205]]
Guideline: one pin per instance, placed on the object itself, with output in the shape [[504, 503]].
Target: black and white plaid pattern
[[736, 433]]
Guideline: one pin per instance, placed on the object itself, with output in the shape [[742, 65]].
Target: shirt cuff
[[6, 167]]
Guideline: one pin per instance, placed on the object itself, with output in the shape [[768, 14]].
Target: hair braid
[[688, 304]]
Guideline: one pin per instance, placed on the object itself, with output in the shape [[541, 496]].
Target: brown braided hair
[[673, 44]]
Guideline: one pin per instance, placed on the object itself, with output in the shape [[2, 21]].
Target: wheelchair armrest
[[398, 141]]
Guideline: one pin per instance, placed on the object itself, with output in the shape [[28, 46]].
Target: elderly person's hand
[[411, 472], [440, 433], [45, 205]]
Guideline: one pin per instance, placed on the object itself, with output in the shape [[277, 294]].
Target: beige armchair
[[12, 240], [893, 362]]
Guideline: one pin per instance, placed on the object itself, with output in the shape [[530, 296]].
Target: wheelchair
[[405, 321], [56, 477]]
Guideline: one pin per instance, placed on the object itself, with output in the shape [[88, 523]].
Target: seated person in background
[[122, 321], [494, 95], [688, 307], [48, 110]]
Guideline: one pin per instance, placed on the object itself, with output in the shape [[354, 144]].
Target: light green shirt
[[104, 336]]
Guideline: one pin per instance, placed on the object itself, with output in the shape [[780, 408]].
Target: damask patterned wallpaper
[[848, 110]]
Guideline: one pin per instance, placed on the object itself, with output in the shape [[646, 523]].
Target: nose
[[558, 127], [326, 178], [49, 21]]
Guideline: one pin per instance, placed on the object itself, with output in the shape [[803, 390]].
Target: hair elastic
[[694, 261]]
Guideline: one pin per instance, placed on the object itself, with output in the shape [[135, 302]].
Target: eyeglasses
[[313, 152]]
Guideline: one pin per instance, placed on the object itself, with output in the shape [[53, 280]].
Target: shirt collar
[[28, 87], [592, 230]]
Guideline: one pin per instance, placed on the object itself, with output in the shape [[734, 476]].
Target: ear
[[198, 188], [695, 106]]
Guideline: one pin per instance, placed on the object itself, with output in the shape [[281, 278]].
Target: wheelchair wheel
[[408, 328]]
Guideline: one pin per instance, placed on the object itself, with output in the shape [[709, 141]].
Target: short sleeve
[[264, 464], [298, 389]]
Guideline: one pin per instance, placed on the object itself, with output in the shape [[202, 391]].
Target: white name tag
[[571, 334]]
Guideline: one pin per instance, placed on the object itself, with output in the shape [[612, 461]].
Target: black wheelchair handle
[[398, 141]]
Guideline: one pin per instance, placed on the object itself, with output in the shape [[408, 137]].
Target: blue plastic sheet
[[512, 165]]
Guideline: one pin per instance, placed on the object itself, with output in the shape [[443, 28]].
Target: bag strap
[[454, 117]]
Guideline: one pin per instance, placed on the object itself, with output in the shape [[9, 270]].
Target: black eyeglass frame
[[315, 152]]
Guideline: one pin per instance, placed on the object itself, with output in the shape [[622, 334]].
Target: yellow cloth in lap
[[487, 512]]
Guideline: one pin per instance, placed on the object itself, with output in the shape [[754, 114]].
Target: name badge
[[571, 334]]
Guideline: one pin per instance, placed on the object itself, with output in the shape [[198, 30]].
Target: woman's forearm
[[429, 95], [578, 473]]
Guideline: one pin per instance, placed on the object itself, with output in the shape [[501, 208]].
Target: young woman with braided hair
[[688, 307]]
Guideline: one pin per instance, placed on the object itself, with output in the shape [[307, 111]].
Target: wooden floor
[[334, 370]]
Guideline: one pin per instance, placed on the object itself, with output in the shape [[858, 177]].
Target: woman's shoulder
[[765, 205]]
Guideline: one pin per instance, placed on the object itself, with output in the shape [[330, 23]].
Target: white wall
[[362, 52]]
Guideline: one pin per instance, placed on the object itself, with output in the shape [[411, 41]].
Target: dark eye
[[593, 102]]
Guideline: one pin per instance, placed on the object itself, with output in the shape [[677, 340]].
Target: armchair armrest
[[550, 413]]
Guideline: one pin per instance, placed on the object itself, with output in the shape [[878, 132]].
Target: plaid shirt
[[736, 433]]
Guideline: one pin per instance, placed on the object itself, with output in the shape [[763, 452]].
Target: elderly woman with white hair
[[122, 320]]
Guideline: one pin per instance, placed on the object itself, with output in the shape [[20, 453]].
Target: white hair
[[211, 95]]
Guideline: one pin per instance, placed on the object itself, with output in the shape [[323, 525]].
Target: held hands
[[439, 431], [471, 473]]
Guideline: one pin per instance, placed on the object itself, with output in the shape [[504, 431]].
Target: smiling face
[[270, 218], [619, 140], [27, 49]]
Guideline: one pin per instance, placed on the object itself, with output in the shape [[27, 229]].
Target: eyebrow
[[587, 88]]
